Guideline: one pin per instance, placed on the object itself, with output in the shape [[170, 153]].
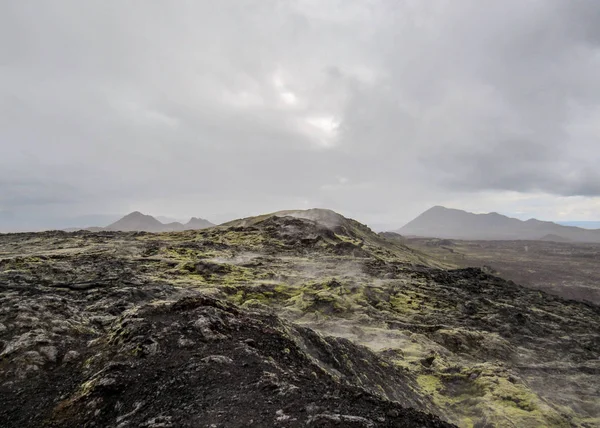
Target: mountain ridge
[[138, 222], [442, 222]]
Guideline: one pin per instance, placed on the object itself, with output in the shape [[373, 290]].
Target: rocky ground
[[567, 269], [301, 319]]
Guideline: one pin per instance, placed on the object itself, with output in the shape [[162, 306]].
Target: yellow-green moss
[[485, 393], [429, 383]]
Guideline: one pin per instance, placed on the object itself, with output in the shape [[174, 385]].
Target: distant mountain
[[197, 223], [441, 222], [164, 219], [555, 238], [138, 222]]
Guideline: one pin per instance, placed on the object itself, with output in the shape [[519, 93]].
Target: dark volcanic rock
[[198, 362], [208, 268]]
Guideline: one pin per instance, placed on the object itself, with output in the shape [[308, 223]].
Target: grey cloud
[[33, 193], [241, 107]]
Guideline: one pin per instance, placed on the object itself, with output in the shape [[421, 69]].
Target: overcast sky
[[378, 109]]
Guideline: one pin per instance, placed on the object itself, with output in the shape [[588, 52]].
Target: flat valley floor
[[570, 270]]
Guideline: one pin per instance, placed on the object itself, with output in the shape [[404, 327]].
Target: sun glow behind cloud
[[285, 94], [324, 130]]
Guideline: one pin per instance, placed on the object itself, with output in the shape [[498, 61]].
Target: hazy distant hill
[[197, 223], [138, 222], [555, 238], [441, 222]]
